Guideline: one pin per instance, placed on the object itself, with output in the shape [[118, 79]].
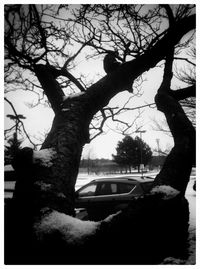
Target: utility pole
[[88, 163], [141, 159], [158, 145]]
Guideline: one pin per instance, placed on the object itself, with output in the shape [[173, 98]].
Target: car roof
[[128, 179]]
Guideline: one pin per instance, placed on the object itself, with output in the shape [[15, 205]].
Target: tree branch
[[76, 54], [20, 121], [185, 59], [184, 93], [50, 86], [65, 73], [40, 28], [126, 73]]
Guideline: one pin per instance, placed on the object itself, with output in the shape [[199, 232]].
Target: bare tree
[[46, 231]]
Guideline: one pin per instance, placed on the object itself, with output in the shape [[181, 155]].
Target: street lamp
[[141, 160]]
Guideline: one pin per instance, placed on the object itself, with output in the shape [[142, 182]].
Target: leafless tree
[[46, 231]]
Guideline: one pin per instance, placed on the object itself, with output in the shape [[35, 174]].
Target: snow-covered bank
[[190, 195]]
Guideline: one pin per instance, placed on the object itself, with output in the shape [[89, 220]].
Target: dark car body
[[102, 197]]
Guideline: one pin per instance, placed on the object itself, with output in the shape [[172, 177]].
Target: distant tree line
[[131, 153], [98, 166]]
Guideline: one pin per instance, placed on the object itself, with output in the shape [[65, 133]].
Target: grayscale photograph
[[99, 134]]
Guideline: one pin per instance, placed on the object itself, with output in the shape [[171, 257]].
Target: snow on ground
[[74, 231], [190, 195]]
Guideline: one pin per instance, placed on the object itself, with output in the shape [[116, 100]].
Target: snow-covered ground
[[190, 195]]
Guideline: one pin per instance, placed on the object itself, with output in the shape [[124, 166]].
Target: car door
[[88, 199], [98, 199], [113, 196], [104, 201], [84, 201], [86, 195], [125, 190]]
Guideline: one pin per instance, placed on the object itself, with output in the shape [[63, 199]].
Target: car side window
[[88, 191], [113, 188], [107, 188], [125, 188]]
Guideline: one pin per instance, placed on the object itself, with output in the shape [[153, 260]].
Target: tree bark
[[178, 164]]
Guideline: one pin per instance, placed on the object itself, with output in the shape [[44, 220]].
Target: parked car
[[98, 198], [102, 197]]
